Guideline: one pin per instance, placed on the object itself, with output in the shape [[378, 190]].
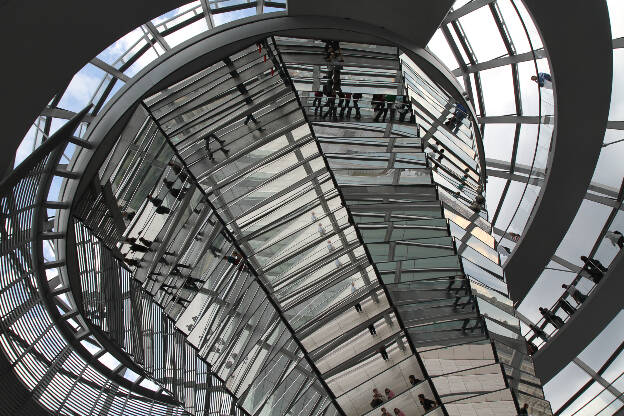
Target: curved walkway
[[582, 90], [585, 325]]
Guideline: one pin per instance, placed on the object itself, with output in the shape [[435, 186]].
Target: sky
[[484, 38]]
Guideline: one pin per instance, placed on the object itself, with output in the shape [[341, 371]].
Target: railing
[[45, 338], [604, 251], [46, 342], [128, 314]]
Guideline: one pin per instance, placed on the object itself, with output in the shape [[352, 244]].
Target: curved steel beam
[[582, 92], [416, 20]]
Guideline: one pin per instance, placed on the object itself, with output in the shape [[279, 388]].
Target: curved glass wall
[[493, 51]]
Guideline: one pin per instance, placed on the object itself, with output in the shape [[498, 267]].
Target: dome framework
[[66, 175]]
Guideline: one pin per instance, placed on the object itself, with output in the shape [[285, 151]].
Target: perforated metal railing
[[47, 345]]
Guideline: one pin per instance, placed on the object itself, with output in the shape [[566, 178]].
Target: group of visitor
[[379, 399]]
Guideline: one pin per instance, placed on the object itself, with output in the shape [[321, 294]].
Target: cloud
[[26, 146], [81, 89]]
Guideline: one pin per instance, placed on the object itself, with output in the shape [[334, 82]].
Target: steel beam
[[110, 69], [498, 62], [465, 9]]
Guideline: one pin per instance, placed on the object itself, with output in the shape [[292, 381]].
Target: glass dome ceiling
[[493, 49]]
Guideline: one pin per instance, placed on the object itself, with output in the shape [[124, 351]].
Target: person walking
[[357, 96], [461, 113], [331, 103], [133, 262], [398, 412], [390, 105], [178, 170], [330, 246], [234, 259], [222, 147], [402, 105], [455, 121], [177, 193], [427, 404], [389, 393], [251, 117], [377, 399], [344, 103], [385, 103], [321, 229], [551, 318], [575, 293], [377, 102], [139, 248], [156, 201], [318, 98], [542, 79], [413, 380], [501, 249], [595, 268], [358, 307]]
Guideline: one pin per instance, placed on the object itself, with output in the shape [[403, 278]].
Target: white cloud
[[187, 32], [81, 89]]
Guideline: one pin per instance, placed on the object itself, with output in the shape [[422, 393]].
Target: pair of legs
[[221, 143], [332, 110], [358, 115], [556, 321], [383, 109], [316, 104], [251, 117]]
